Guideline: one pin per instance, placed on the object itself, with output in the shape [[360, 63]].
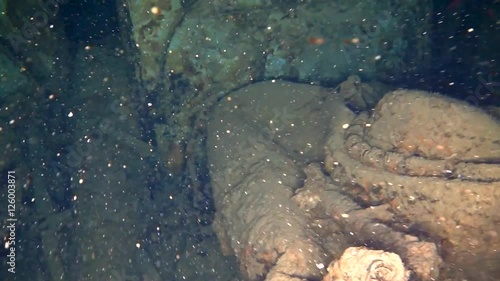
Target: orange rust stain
[[315, 40]]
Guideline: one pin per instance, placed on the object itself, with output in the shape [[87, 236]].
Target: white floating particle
[[345, 216], [138, 245], [320, 265], [70, 114], [345, 126]]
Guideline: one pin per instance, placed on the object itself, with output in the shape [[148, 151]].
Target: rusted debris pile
[[417, 179], [435, 161]]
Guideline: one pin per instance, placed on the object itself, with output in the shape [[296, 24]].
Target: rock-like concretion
[[284, 219], [358, 263], [435, 161], [258, 136]]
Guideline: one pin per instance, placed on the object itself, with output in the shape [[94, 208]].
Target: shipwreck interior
[[232, 140]]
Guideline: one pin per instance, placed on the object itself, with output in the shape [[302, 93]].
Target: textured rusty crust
[[255, 169], [371, 226], [435, 161]]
